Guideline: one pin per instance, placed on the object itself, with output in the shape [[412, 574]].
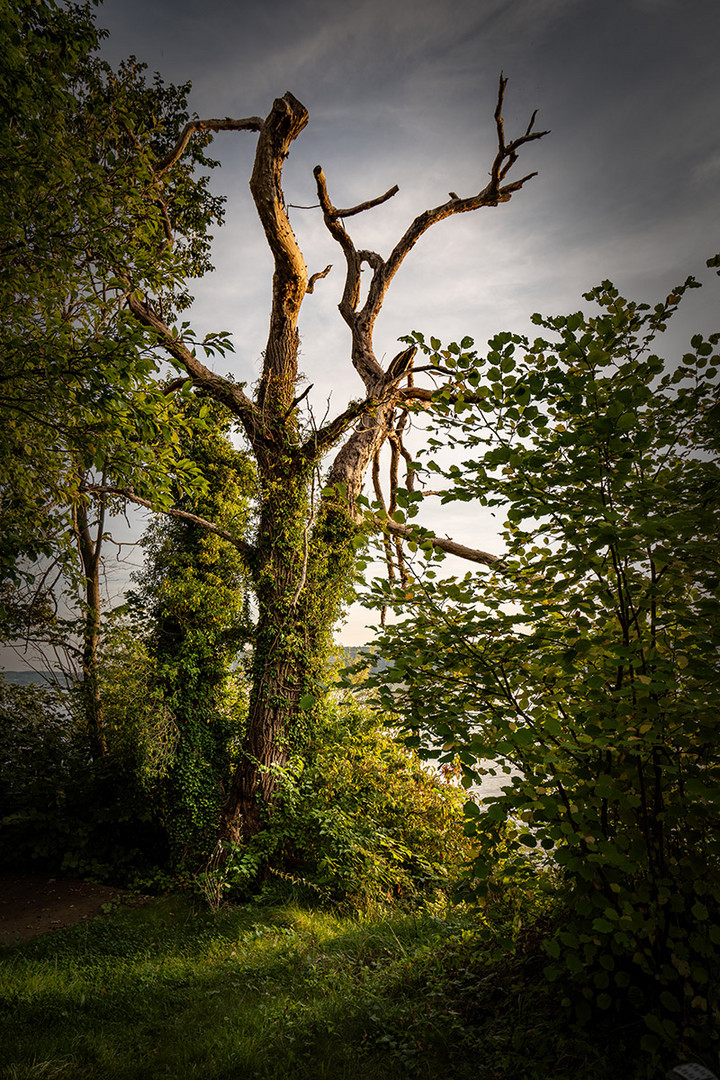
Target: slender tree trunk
[[89, 550], [90, 665]]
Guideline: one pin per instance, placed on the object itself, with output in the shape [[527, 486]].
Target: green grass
[[257, 992]]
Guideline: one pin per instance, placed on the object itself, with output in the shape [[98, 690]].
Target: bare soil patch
[[33, 904]]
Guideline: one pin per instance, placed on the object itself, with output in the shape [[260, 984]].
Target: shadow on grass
[[263, 993]]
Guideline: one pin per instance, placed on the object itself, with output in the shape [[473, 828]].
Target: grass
[[257, 993]]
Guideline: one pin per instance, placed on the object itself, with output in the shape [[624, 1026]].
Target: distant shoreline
[[32, 678]]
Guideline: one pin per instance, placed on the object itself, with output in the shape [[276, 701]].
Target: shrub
[[358, 820], [588, 658]]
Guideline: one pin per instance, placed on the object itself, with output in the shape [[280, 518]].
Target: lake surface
[[33, 678]]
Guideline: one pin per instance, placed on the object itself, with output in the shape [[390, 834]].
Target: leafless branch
[[394, 471], [242, 546], [365, 205], [397, 436], [316, 277], [421, 393], [296, 401], [353, 259], [251, 123], [361, 320], [389, 561], [326, 436], [442, 544]]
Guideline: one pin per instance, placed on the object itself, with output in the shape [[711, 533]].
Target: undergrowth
[[263, 992]]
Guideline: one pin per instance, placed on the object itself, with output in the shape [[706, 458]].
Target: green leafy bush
[[587, 658], [357, 820], [193, 618], [59, 809]]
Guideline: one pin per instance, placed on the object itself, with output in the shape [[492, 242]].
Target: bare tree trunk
[[303, 558]]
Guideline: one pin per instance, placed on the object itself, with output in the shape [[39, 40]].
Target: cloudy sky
[[403, 91]]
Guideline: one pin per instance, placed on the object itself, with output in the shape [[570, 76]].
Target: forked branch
[[362, 320], [493, 193]]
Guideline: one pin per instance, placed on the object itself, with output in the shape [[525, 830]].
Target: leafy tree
[[78, 400], [81, 212], [586, 658], [61, 810]]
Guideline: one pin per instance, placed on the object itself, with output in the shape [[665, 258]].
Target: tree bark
[[89, 550], [282, 658]]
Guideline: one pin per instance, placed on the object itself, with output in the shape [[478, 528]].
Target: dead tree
[[303, 556]]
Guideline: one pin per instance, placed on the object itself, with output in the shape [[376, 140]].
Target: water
[[35, 678]]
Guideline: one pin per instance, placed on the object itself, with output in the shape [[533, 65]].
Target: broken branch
[[365, 205], [316, 277]]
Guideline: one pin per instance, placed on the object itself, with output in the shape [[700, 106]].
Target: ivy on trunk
[[302, 558]]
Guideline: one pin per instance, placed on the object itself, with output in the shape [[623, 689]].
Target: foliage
[[357, 820], [140, 730], [195, 617], [265, 992], [37, 759], [586, 659], [109, 215], [61, 811], [82, 214]]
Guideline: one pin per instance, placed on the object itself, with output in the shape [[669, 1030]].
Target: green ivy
[[357, 820], [193, 605]]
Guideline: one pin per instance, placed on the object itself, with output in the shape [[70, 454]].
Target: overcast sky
[[403, 91]]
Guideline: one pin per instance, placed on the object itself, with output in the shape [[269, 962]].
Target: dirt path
[[32, 904]]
